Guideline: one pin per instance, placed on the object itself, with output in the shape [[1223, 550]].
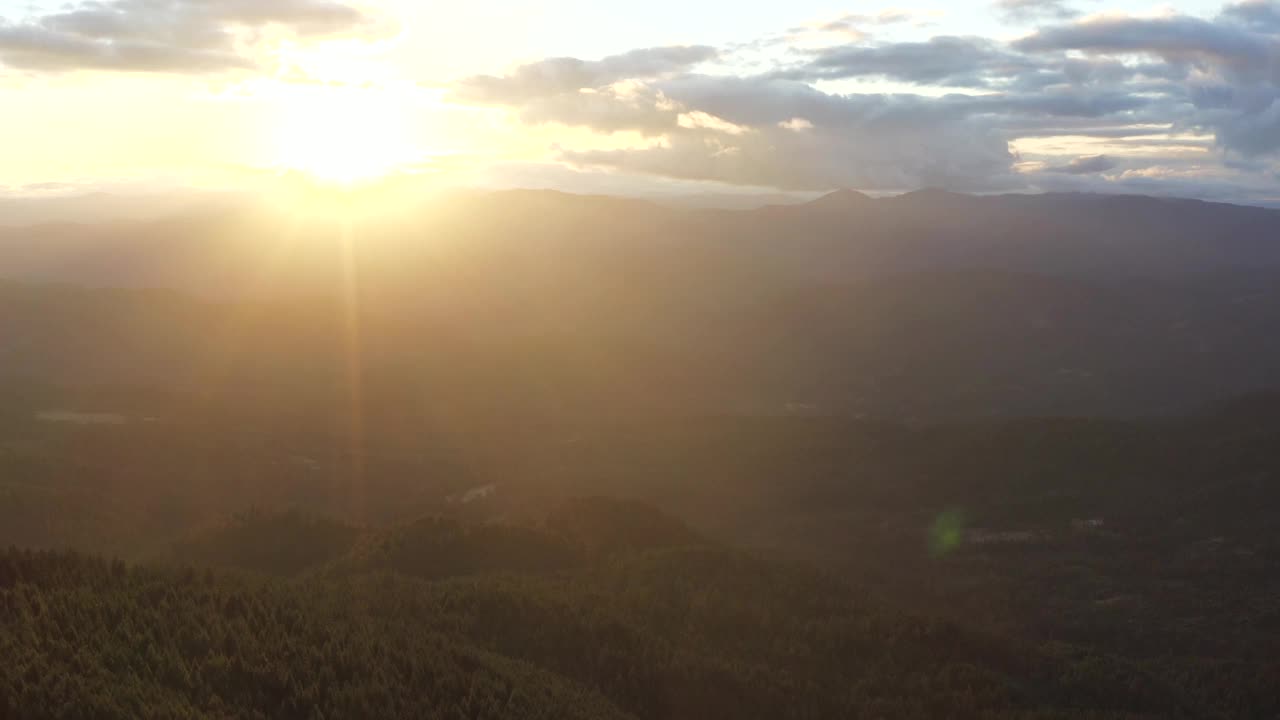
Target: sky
[[639, 98]]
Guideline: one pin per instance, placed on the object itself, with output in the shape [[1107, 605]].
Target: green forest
[[440, 620], [179, 560]]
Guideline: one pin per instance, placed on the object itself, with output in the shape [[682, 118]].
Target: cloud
[[796, 124], [943, 60], [698, 120], [1056, 103], [852, 24], [1261, 15], [557, 76], [1086, 165], [779, 131], [792, 136], [889, 16], [1235, 88], [1028, 10], [1176, 39], [1251, 133], [1096, 101], [971, 62], [625, 105], [1091, 129], [169, 36]]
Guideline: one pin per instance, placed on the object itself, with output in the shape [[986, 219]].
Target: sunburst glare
[[342, 136]]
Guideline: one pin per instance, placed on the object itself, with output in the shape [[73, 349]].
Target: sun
[[342, 136]]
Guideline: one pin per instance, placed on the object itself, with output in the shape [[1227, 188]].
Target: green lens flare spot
[[947, 533]]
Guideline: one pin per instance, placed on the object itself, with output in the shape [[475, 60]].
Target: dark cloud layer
[[1085, 165], [793, 136], [1261, 15], [175, 36], [943, 60], [1160, 92], [1178, 39], [1230, 65]]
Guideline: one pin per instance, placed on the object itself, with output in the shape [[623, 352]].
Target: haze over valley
[[674, 361]]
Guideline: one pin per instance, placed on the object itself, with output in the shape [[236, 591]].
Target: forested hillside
[[1155, 536], [653, 633]]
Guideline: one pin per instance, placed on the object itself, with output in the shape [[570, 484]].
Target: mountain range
[[925, 305]]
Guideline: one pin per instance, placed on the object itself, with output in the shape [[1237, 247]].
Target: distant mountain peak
[[843, 198]]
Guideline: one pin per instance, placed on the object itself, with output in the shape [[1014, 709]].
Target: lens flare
[[947, 533]]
